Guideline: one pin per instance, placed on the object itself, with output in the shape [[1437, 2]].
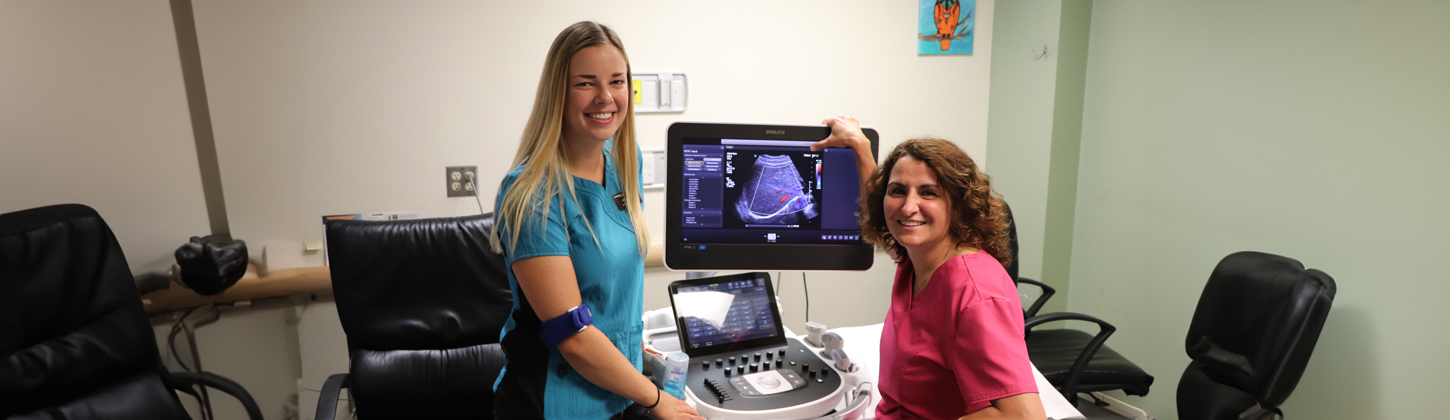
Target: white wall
[[93, 111], [341, 107], [328, 107]]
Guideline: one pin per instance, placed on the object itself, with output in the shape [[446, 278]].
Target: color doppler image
[[780, 191]]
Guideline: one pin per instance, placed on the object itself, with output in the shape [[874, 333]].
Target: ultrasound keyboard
[[764, 379]]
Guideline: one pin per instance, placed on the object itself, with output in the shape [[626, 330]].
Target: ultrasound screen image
[[776, 194], [773, 189]]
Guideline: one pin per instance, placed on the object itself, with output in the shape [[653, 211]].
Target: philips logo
[[777, 132]]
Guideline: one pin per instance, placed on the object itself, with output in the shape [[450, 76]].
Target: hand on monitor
[[846, 132]]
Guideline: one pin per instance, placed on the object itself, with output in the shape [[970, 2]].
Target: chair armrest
[[331, 391], [1069, 388], [1047, 292], [210, 380]]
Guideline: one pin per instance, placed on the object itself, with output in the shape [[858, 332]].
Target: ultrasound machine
[[755, 197]]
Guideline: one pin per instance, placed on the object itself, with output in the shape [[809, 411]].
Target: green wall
[[1062, 176], [1034, 126], [1019, 121], [1317, 130]]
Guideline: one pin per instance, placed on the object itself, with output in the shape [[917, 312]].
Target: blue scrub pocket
[[570, 396]]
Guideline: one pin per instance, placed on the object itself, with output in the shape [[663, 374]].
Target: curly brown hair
[[981, 223]]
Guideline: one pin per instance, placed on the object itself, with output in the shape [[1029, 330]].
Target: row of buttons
[[805, 368], [745, 358], [754, 367]]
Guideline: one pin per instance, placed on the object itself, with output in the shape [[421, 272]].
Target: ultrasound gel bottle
[[677, 364]]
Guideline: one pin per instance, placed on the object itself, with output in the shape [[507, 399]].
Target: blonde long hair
[[546, 173]]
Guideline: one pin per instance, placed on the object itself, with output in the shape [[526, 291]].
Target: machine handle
[[857, 408]]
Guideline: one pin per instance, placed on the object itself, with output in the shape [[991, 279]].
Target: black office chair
[[1251, 336], [1073, 361], [422, 303], [1045, 291], [75, 342]]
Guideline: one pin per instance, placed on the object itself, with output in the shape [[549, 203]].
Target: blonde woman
[[568, 221]]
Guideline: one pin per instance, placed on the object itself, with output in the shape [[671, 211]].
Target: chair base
[[1200, 398], [1110, 409]]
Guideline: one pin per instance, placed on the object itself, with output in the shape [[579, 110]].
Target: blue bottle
[[677, 365]]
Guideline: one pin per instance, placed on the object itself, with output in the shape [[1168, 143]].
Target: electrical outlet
[[459, 181]]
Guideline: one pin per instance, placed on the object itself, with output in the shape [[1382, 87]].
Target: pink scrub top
[[956, 346]]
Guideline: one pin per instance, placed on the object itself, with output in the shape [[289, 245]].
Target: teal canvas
[[945, 26]]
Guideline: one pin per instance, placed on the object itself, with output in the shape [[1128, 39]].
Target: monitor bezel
[[793, 257], [777, 340]]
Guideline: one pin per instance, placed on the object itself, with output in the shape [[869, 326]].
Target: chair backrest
[[1256, 324], [74, 338], [1011, 242], [1030, 305], [422, 303]]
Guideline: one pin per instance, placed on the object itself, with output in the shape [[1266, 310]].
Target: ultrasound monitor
[[755, 197]]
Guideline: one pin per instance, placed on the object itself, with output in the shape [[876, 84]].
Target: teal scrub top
[[610, 274]]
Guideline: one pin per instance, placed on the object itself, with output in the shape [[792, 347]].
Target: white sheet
[[863, 346]]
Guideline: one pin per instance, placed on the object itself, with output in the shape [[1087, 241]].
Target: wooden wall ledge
[[293, 281], [289, 282]]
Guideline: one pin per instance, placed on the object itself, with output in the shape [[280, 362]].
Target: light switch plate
[[654, 169], [660, 92]]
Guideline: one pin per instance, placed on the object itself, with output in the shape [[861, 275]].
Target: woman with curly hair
[[952, 345]]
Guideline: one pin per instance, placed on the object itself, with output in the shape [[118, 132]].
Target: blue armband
[[560, 328]]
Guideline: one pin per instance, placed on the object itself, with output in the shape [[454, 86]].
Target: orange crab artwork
[[946, 12]]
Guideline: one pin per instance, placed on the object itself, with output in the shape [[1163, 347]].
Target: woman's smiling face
[[918, 213], [594, 101]]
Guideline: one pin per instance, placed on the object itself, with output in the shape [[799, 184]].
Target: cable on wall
[[475, 192]]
